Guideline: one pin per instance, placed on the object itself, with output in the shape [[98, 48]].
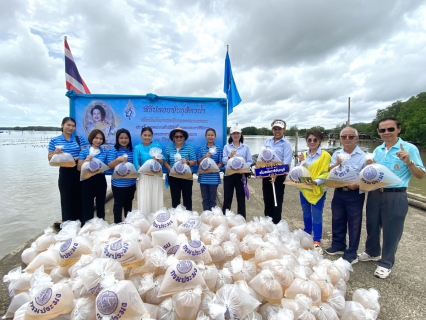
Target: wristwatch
[[410, 164]]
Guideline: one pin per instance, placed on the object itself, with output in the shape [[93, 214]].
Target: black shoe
[[333, 252]]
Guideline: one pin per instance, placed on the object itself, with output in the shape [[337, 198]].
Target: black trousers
[[180, 187], [229, 184], [268, 197], [91, 189], [70, 190], [123, 198]]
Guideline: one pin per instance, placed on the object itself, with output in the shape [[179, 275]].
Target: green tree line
[[411, 114], [31, 128]]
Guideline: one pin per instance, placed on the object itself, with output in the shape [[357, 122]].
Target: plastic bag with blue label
[[92, 167], [208, 165], [125, 170], [236, 165], [267, 157], [376, 176]]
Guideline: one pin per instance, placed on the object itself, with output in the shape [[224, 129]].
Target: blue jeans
[[346, 212], [208, 194], [312, 216]]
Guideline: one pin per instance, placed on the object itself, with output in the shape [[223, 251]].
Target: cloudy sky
[[298, 60]]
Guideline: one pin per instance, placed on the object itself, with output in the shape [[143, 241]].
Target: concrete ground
[[403, 294]]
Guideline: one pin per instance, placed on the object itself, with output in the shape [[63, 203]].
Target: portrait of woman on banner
[[100, 115]]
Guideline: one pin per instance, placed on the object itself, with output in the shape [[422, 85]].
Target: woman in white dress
[[149, 188]]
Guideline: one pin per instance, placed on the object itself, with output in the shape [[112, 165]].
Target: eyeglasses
[[178, 137], [312, 140], [391, 129], [347, 137]]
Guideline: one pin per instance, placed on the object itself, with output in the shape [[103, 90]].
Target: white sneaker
[[366, 257], [382, 272], [318, 248]]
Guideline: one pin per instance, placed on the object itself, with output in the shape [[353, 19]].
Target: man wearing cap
[[179, 186], [347, 203], [387, 207], [283, 150]]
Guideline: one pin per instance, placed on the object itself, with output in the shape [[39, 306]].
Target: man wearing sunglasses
[[387, 207], [347, 203]]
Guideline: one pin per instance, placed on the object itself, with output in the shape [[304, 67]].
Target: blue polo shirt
[[70, 146], [282, 148], [214, 177], [243, 151], [357, 160], [114, 154], [186, 152], [390, 160], [101, 155]]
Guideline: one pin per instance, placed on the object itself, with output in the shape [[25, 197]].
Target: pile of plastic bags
[[179, 265]]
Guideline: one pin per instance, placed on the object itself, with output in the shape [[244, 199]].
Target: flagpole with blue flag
[[229, 86]]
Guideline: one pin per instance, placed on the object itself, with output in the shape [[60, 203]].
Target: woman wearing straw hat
[[283, 150], [235, 147], [179, 186]]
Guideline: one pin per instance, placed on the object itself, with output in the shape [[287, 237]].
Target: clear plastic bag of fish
[[163, 220], [298, 174], [282, 269], [18, 281], [29, 254], [63, 159], [166, 310], [236, 165], [243, 269], [187, 303], [192, 224], [49, 259], [304, 311], [167, 239], [208, 165], [120, 300], [194, 250], [303, 285], [224, 277], [180, 170], [151, 167], [149, 288], [84, 309], [45, 240], [267, 157], [355, 311], [124, 250], [337, 302], [368, 298], [91, 168], [93, 274], [73, 248], [232, 302], [375, 176], [342, 176], [267, 285], [181, 275], [321, 278], [17, 302], [125, 170]]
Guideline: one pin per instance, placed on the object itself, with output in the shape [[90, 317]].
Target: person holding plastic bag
[[69, 177], [282, 148], [209, 181], [179, 151], [94, 187], [347, 203], [149, 187], [387, 207], [122, 189], [234, 148], [317, 162]]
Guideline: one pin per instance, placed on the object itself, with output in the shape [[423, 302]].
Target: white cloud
[[296, 60]]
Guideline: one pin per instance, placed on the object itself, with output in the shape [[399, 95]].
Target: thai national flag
[[73, 80]]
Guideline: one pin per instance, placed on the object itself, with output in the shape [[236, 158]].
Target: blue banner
[[112, 112]]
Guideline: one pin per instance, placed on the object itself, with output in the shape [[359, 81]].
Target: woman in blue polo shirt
[[179, 186], [95, 187], [209, 181], [69, 178], [122, 189]]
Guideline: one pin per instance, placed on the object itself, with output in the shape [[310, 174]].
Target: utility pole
[[349, 112]]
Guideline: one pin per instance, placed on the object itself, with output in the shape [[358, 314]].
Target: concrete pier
[[402, 294]]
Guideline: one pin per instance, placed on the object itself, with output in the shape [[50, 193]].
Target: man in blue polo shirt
[[347, 203], [387, 207]]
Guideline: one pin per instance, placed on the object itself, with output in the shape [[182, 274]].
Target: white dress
[[149, 188], [150, 193]]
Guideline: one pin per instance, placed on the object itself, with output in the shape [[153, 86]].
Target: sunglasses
[[347, 137], [312, 140], [391, 129], [178, 137]]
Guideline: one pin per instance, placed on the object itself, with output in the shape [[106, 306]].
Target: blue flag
[[229, 86]]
